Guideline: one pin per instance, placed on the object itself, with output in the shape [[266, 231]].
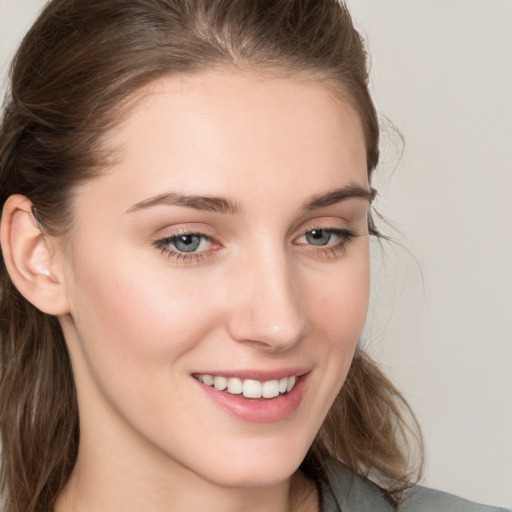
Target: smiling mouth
[[249, 388]]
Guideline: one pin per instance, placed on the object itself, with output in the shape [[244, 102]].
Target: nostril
[[274, 336]]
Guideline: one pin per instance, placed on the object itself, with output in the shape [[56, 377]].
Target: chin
[[263, 475], [265, 468]]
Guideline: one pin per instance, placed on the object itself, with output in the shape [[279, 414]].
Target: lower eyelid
[[184, 256], [165, 246]]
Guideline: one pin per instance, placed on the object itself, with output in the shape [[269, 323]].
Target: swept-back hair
[[71, 82]]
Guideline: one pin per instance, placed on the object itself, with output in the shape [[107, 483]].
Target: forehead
[[223, 131]]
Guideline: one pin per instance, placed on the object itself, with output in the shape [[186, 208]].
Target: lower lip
[[259, 410]]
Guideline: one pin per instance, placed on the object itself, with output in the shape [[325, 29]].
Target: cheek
[[137, 328], [337, 321], [339, 302], [133, 318]]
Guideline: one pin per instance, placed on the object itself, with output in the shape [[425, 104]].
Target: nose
[[266, 309]]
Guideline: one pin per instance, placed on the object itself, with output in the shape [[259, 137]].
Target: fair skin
[[269, 282]]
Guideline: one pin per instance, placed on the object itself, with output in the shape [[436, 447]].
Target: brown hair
[[75, 70]]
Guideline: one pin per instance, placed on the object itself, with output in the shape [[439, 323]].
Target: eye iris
[[318, 237], [187, 243]]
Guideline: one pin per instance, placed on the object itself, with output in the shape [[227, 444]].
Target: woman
[[186, 190]]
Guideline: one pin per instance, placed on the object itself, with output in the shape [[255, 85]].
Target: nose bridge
[[269, 311]]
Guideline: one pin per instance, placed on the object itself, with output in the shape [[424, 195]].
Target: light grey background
[[442, 72], [441, 318]]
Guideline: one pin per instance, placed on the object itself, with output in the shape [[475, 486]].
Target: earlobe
[[30, 257]]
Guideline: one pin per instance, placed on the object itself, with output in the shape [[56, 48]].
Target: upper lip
[[260, 375]]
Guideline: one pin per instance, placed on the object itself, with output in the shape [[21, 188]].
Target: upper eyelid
[[182, 231], [325, 227], [341, 232], [334, 220], [172, 232], [165, 239]]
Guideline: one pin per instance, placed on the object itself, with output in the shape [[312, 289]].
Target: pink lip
[[259, 410]]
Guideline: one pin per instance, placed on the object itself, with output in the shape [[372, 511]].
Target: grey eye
[[187, 243], [318, 237]]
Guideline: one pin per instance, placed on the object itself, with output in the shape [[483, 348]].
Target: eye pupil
[[187, 243], [187, 239], [318, 237]]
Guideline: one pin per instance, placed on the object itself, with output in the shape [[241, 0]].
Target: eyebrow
[[198, 202], [338, 195], [222, 205]]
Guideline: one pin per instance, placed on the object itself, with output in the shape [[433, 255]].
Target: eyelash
[[165, 247], [331, 250]]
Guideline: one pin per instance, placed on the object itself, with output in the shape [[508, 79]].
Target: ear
[[30, 257]]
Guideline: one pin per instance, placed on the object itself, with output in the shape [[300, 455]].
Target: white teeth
[[220, 383], [252, 388], [270, 389], [235, 386], [207, 379], [249, 387]]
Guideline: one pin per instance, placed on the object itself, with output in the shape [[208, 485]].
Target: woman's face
[[227, 243]]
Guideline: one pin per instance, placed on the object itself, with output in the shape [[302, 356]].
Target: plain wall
[[441, 320], [442, 326]]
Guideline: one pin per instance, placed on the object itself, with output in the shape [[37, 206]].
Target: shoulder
[[422, 499], [348, 492]]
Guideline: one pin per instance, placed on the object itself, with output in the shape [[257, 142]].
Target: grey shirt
[[347, 492]]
